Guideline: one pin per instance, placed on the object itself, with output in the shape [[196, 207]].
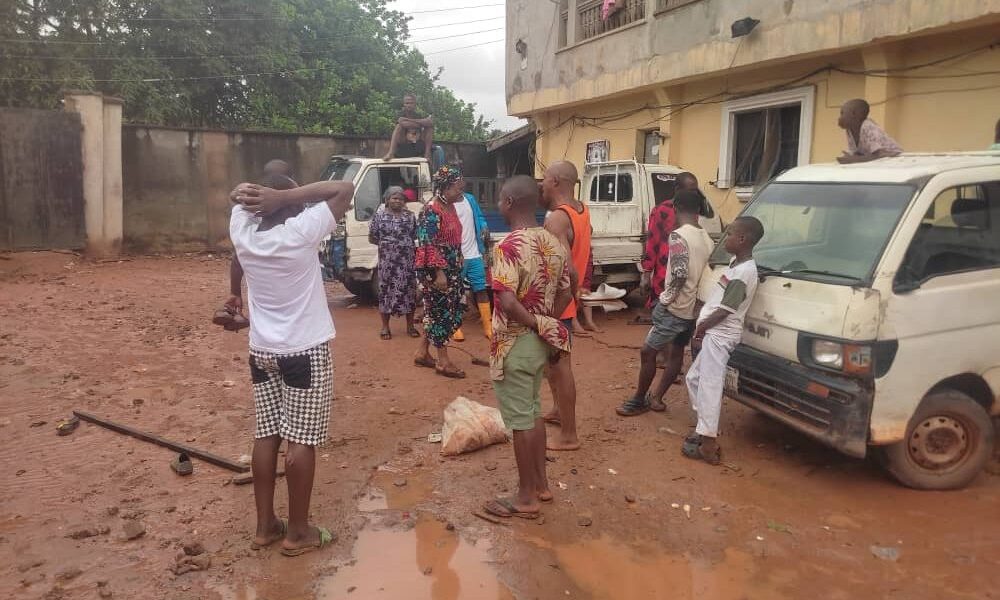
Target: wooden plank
[[191, 451]]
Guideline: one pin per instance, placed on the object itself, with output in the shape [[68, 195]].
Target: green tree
[[322, 66]]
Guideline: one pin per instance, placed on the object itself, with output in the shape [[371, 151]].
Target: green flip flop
[[325, 539]]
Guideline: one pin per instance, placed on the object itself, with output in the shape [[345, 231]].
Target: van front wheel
[[948, 442]]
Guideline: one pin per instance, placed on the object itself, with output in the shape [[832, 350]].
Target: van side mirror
[[904, 287]]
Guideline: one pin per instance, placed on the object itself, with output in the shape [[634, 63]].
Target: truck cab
[[876, 326], [347, 255], [620, 196]]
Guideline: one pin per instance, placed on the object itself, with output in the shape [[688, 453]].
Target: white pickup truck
[[620, 196], [347, 255]]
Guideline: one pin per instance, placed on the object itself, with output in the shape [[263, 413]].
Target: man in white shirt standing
[[276, 240], [474, 234]]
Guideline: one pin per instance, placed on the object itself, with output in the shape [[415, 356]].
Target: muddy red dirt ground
[[132, 341]]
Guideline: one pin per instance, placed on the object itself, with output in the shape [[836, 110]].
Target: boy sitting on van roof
[[865, 139]]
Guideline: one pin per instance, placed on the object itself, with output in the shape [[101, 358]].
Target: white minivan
[[877, 321]]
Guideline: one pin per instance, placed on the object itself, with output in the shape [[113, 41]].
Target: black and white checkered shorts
[[292, 394]]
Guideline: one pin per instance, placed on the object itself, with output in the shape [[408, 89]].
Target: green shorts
[[518, 391]]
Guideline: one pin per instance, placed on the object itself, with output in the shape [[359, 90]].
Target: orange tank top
[[579, 248]]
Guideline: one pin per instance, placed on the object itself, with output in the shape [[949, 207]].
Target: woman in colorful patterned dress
[[439, 271], [394, 229]]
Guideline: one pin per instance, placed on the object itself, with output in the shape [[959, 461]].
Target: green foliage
[[321, 66]]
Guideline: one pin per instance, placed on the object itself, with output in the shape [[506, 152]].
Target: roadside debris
[[469, 426], [67, 426], [133, 530], [889, 553]]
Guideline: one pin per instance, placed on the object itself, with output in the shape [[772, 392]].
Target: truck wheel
[[367, 291], [948, 442]]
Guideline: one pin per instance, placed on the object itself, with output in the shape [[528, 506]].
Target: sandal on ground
[[504, 508], [237, 322], [386, 334], [325, 539], [451, 373], [276, 538], [222, 317], [182, 464], [694, 452], [67, 426], [546, 497], [426, 362], [656, 405], [412, 332], [633, 407]]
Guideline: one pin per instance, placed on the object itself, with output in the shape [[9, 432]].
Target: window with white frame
[[764, 135]]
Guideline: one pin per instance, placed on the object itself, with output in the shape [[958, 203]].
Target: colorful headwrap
[[445, 176]]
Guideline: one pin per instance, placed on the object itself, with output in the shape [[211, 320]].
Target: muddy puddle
[[607, 569], [427, 562], [403, 553]]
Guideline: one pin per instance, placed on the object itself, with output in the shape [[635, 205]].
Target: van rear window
[[613, 187]]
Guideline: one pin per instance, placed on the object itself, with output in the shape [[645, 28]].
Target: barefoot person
[[276, 238], [393, 229], [673, 315], [569, 222], [439, 271], [531, 287]]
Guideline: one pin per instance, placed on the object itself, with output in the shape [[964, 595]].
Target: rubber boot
[[486, 318], [458, 336]]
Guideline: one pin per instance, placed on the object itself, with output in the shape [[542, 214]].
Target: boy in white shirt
[[720, 327], [674, 312], [276, 240]]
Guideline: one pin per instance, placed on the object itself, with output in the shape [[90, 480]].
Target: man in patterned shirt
[[531, 288], [673, 315], [662, 220], [866, 141]]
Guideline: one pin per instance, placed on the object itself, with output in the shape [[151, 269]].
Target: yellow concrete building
[[676, 82]]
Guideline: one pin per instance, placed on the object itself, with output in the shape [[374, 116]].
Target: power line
[[208, 77], [204, 56], [463, 47], [107, 43], [438, 10]]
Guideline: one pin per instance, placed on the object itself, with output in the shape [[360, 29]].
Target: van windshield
[[829, 232], [340, 169]]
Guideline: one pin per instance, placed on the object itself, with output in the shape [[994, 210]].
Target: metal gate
[[41, 180]]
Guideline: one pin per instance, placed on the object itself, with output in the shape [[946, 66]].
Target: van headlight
[[828, 354], [854, 359]]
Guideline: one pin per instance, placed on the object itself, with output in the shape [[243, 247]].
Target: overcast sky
[[474, 74]]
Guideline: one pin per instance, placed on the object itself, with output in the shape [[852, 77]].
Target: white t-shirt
[[690, 246], [470, 245], [733, 293], [288, 307]]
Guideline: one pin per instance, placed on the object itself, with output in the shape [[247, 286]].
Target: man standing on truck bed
[[569, 221]]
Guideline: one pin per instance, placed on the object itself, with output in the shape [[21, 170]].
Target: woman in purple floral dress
[[394, 229]]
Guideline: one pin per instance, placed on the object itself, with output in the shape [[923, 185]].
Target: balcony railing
[[592, 25], [664, 5]]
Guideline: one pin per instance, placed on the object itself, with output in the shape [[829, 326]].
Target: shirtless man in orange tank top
[[569, 222]]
